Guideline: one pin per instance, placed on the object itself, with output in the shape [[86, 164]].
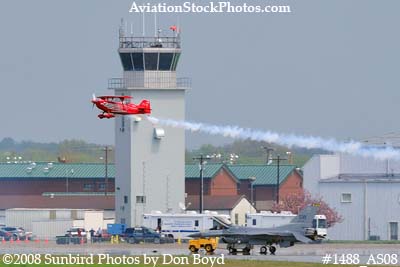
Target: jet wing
[[215, 233], [254, 234], [259, 234], [298, 236]]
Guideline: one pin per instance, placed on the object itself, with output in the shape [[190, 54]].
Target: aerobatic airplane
[[111, 105]]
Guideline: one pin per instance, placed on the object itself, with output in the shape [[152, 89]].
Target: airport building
[[228, 189], [365, 191], [257, 183], [150, 159], [56, 185]]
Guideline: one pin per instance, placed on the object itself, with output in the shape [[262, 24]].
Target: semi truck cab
[[318, 230]]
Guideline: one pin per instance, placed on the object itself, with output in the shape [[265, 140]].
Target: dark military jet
[[306, 227]]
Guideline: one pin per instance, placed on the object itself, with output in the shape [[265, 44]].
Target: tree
[[297, 202]]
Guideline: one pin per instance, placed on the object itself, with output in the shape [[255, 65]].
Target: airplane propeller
[[93, 99]]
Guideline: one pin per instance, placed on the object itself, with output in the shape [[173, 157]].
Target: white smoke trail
[[288, 140]]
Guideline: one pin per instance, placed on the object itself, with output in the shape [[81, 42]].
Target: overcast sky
[[329, 68]]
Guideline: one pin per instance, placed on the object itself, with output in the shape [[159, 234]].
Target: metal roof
[[362, 178], [264, 174], [55, 170], [209, 170]]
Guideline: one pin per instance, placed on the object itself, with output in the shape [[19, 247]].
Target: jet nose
[[195, 235]]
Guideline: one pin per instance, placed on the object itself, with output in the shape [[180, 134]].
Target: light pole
[[233, 158], [201, 165], [106, 150], [252, 180], [278, 161], [67, 179], [216, 157]]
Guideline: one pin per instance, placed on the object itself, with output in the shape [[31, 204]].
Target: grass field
[[254, 263], [361, 242], [41, 261], [228, 263]]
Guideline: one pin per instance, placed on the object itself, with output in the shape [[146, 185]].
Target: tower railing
[[149, 82], [149, 42]]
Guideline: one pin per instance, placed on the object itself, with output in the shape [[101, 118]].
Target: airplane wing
[[255, 233], [214, 233], [299, 236], [122, 97]]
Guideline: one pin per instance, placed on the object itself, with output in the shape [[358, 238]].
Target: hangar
[[365, 191]]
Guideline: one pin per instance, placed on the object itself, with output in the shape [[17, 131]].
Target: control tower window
[[137, 59], [151, 61], [175, 61], [165, 61], [126, 61]]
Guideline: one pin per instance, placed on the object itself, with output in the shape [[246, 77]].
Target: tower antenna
[[178, 23], [143, 26], [121, 28], [155, 24]]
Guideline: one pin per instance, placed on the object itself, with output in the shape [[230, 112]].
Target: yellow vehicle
[[209, 244]]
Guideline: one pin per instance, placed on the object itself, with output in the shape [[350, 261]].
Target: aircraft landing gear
[[242, 248], [246, 251], [232, 251], [263, 250]]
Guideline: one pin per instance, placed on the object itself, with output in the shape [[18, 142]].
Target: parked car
[[143, 234], [103, 237], [74, 231], [7, 236], [16, 232], [74, 235]]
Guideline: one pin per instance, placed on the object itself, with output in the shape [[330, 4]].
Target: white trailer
[[181, 225], [269, 219]]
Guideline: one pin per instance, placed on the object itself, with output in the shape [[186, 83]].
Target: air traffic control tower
[[149, 159]]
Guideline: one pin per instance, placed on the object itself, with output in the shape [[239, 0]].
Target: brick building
[[55, 185], [82, 185], [228, 180]]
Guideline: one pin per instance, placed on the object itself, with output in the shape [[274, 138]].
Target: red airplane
[[111, 105]]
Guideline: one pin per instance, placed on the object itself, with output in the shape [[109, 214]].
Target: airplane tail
[[145, 106], [305, 216]]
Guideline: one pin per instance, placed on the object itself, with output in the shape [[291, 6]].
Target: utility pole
[[106, 149], [278, 161], [202, 162]]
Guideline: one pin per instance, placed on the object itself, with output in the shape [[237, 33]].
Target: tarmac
[[297, 253]]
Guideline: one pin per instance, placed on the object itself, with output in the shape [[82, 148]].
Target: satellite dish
[[182, 206]]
